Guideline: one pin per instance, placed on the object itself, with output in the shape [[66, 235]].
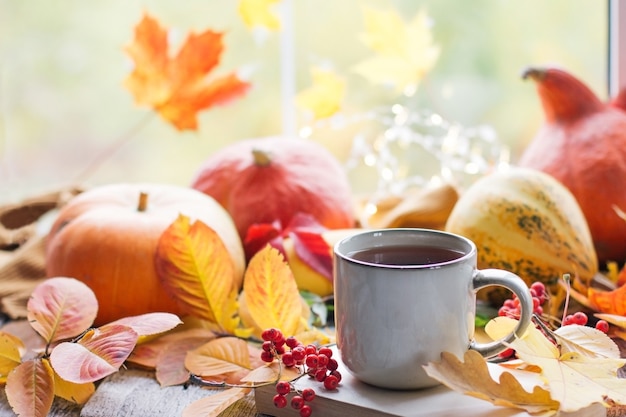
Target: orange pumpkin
[[272, 179], [107, 238]]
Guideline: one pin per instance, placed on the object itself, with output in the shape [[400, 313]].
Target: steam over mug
[[403, 296]]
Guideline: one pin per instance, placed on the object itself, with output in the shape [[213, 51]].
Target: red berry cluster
[[316, 362], [581, 319], [511, 306]]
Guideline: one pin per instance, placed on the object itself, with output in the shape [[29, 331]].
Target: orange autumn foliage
[[177, 87]]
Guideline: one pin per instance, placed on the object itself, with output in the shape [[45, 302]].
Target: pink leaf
[[149, 324], [99, 353], [61, 308]]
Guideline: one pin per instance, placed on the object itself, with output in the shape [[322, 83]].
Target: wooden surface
[[136, 393]]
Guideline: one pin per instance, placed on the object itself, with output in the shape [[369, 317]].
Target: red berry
[[505, 354], [267, 356], [311, 361], [280, 401], [580, 318], [331, 382], [292, 342], [320, 375], [332, 364], [310, 350], [298, 353], [288, 359], [603, 326], [267, 346], [297, 402], [269, 334], [326, 351], [308, 394], [322, 361], [568, 320], [539, 288], [283, 387], [306, 411], [337, 375]]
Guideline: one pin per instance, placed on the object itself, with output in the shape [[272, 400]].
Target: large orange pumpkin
[[107, 237], [274, 178]]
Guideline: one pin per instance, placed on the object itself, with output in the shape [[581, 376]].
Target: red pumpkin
[[107, 238], [272, 179], [583, 145]]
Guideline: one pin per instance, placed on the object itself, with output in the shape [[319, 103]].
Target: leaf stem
[[566, 278]]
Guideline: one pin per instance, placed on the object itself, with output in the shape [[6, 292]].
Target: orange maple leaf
[[178, 88]]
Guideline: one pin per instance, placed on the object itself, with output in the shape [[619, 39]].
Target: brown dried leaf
[[472, 377]]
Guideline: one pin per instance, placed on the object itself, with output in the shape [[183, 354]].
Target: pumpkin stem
[[143, 201], [261, 158]]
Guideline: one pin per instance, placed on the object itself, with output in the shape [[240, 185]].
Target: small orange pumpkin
[[107, 237], [274, 178]]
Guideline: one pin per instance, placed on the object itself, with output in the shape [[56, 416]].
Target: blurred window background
[[65, 115]]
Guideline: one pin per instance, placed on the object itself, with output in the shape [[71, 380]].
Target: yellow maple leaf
[[574, 377], [178, 87], [271, 294], [404, 52], [259, 13], [323, 98]]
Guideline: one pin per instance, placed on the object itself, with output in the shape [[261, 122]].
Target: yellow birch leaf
[[472, 377], [11, 350], [574, 379], [259, 13], [213, 405], [196, 268], [73, 392], [404, 52], [323, 98], [30, 388], [218, 357], [271, 293]]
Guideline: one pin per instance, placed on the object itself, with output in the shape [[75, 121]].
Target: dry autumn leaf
[[99, 353], [271, 294], [70, 391], [574, 378], [196, 268], [11, 351], [61, 308], [178, 87], [28, 390], [218, 357], [404, 52], [213, 405], [609, 302], [472, 377]]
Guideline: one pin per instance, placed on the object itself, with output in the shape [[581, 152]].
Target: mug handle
[[488, 277]]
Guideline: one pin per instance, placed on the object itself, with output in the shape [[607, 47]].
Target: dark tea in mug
[[406, 255]]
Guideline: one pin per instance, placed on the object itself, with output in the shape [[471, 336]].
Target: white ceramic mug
[[403, 296]]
